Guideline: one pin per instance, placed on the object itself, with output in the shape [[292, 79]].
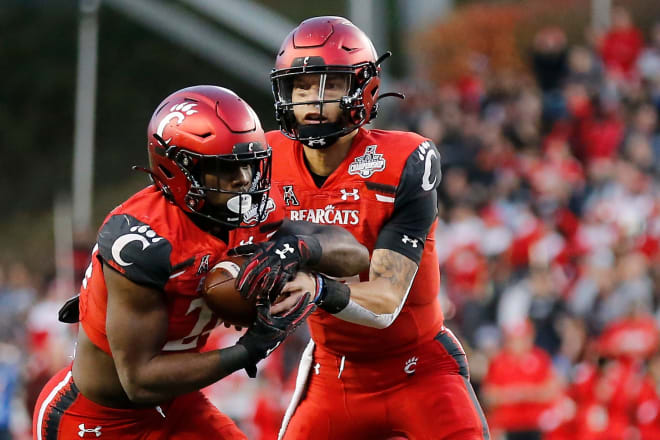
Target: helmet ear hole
[[165, 171]]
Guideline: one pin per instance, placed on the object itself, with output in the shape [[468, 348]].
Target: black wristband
[[234, 358], [314, 247], [254, 352], [334, 295]]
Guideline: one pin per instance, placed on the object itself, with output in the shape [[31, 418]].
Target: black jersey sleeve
[[135, 250], [415, 205]]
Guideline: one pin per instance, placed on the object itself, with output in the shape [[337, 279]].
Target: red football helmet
[[204, 130], [326, 45]]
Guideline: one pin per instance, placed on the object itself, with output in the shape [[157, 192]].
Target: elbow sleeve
[[357, 314]]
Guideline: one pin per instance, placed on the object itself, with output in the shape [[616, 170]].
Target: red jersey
[[152, 242], [647, 413], [363, 195], [507, 370]]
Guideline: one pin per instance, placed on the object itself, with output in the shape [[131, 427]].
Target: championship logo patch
[[367, 164]]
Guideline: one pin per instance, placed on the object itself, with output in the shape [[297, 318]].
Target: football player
[[380, 363], [138, 368]]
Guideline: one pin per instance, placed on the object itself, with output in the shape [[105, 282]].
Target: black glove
[[273, 263], [268, 331], [69, 312]]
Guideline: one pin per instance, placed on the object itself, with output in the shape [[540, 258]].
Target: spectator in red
[[600, 132], [634, 337], [621, 45], [614, 394], [554, 175], [647, 412], [520, 386], [605, 399]]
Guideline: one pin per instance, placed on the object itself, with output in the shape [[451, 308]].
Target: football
[[222, 297]]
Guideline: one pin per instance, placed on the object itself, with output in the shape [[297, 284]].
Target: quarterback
[[381, 364]]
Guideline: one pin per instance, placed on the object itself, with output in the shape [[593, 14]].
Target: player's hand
[[303, 283], [272, 264], [268, 331]]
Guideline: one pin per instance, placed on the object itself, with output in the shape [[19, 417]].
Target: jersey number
[[204, 318]]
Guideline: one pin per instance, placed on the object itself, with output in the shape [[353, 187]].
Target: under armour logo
[[282, 252], [83, 431], [410, 366], [412, 241], [248, 241], [354, 193], [316, 142], [317, 368]]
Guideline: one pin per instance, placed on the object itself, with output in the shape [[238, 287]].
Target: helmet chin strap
[[319, 136]]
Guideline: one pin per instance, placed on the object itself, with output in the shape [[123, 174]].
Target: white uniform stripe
[[301, 382], [387, 199], [177, 274], [47, 401]]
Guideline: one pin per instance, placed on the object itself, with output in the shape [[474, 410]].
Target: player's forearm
[[377, 302], [167, 376], [390, 277], [342, 255], [335, 298], [378, 296]]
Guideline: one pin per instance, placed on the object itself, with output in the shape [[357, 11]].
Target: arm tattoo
[[393, 266]]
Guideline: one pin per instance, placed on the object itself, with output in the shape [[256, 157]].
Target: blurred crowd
[[549, 232], [548, 240]]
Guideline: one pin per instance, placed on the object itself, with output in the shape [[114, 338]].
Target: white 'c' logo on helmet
[[178, 111]]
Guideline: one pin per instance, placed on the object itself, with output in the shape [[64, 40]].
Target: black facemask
[[320, 136]]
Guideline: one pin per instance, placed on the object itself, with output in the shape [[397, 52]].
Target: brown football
[[222, 297]]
